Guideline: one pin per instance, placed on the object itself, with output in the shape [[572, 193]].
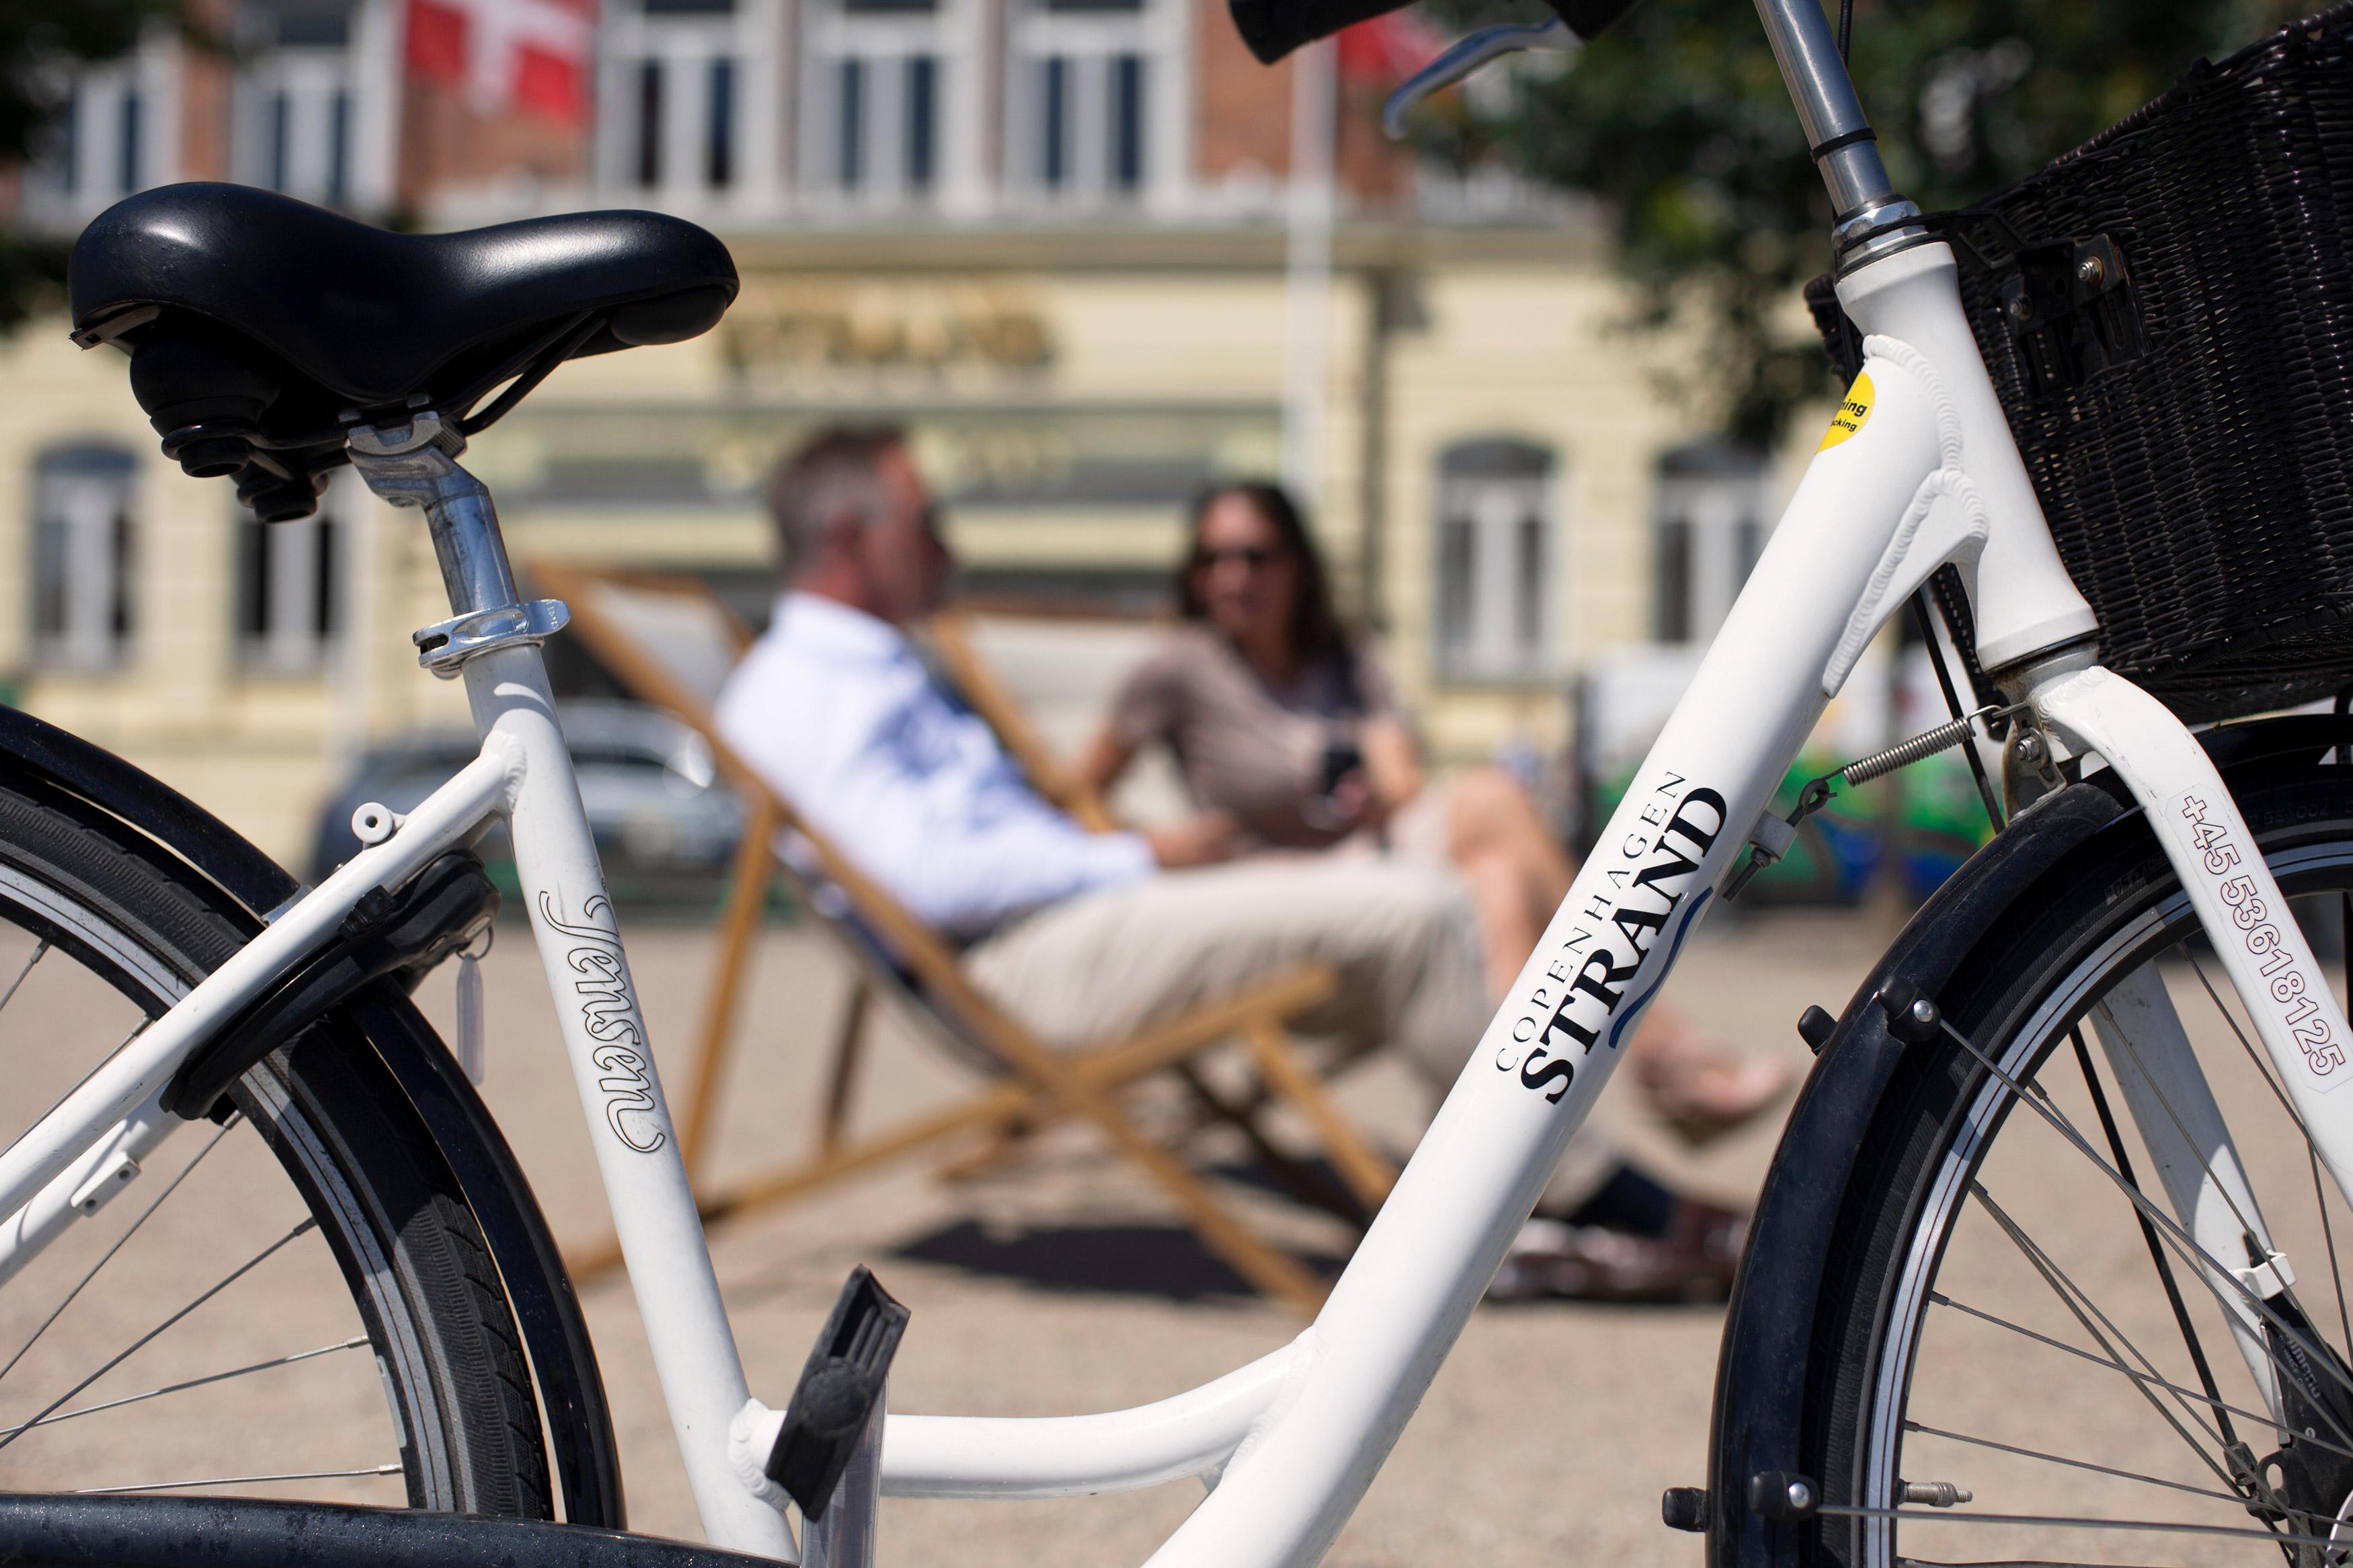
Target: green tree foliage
[[1678, 122], [41, 42]]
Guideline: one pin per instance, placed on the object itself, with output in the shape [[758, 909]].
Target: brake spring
[[1903, 754], [1771, 837]]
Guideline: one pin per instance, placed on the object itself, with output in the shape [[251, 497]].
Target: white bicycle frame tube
[[1919, 471], [605, 1036]]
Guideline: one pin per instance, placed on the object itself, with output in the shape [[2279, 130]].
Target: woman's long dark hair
[[1316, 629]]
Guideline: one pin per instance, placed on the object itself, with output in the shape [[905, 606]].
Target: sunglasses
[[1253, 556]]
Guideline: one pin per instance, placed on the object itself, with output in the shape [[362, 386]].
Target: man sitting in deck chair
[[1086, 936]]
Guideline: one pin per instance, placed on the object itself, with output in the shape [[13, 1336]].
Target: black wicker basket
[[2168, 313]]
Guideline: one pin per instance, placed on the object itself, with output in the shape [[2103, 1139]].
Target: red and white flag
[[531, 55], [1387, 49]]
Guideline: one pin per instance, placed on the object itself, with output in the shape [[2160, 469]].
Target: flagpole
[[1307, 284]]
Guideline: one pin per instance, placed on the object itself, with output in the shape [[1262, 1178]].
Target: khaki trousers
[[1401, 937]]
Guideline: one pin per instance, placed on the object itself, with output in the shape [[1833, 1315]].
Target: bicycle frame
[[1918, 471]]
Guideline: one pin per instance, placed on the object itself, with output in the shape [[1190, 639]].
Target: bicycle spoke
[[2328, 1242], [353, 1343], [2232, 1498], [2085, 1309], [391, 1469], [2212, 1268], [85, 1078], [2262, 1067], [1999, 1322], [40, 951], [2149, 1233], [307, 1222], [109, 1256]]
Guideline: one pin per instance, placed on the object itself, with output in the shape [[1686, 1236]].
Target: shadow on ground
[[1164, 1261]]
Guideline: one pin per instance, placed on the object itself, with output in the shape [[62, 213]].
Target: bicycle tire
[[1920, 1178], [455, 1383]]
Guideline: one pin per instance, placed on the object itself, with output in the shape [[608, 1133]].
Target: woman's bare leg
[[1517, 874]]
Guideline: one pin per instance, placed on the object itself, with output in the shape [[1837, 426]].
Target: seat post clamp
[[445, 645], [415, 465]]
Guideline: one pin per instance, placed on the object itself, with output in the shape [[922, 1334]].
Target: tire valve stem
[[1936, 1494]]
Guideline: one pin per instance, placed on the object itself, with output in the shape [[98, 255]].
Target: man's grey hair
[[835, 474]]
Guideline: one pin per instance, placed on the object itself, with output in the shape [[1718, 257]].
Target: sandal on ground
[[1704, 1091], [1694, 1261]]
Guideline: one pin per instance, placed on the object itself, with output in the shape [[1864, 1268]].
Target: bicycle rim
[[286, 1302], [2002, 1324]]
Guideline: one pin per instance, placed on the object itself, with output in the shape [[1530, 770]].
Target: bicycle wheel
[[292, 1302], [2010, 1308]]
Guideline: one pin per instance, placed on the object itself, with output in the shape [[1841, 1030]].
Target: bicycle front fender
[[1769, 1326]]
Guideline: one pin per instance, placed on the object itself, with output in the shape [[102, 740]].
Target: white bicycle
[[2093, 366]]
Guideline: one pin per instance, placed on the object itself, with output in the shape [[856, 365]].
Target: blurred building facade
[[1047, 236]]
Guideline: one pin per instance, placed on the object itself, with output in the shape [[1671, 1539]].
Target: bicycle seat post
[[415, 465]]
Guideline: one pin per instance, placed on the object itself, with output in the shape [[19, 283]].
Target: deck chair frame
[[1040, 1084]]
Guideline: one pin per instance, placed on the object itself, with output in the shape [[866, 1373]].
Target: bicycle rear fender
[[247, 885], [1768, 1325]]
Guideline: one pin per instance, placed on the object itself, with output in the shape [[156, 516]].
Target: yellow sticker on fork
[[1853, 413]]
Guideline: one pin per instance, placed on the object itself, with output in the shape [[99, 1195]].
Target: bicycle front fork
[[2262, 951]]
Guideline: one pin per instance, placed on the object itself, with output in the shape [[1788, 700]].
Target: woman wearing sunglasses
[[1284, 720]]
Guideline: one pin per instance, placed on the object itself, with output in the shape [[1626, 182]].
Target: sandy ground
[[1060, 1284]]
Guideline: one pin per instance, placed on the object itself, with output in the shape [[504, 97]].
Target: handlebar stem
[[1840, 139]]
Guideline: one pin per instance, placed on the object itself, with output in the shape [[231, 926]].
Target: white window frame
[[298, 633], [1496, 620], [85, 557], [885, 42], [1158, 34], [1717, 494], [309, 80], [58, 192], [684, 45]]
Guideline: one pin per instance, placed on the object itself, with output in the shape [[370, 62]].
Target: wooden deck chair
[[672, 643]]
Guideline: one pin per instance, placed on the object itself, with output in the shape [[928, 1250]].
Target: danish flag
[[1387, 49], [531, 55]]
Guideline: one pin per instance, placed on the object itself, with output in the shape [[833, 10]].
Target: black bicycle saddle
[[258, 327]]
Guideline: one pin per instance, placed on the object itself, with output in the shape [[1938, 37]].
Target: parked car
[[665, 824]]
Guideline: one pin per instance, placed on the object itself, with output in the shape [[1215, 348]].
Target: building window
[[293, 121], [1054, 152], [719, 143], [1498, 543], [115, 134], [289, 596], [85, 541], [1089, 122], [882, 76], [850, 134], [339, 146], [922, 120], [650, 123], [1707, 531], [127, 139], [1127, 122], [691, 102], [280, 130]]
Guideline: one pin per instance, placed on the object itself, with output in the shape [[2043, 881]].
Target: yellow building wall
[[1520, 342]]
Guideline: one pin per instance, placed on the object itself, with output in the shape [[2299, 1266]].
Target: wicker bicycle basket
[[2168, 313]]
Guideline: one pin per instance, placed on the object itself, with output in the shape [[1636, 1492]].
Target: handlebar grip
[[1272, 28]]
